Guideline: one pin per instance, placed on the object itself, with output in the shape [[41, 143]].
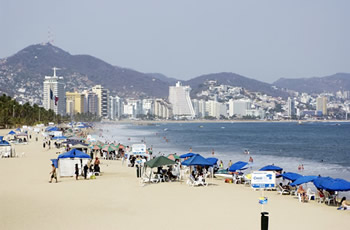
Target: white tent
[[68, 160], [5, 148]]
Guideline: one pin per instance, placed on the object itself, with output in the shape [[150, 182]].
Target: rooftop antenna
[[49, 36], [54, 71]]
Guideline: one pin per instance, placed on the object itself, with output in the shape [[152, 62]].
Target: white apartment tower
[[179, 97], [54, 93], [239, 107], [103, 100]]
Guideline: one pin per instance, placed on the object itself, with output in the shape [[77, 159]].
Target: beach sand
[[116, 200]]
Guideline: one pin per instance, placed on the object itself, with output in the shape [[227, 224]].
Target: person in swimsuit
[[53, 173]]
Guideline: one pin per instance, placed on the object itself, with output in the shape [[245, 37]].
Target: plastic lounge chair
[[310, 194], [328, 198], [283, 191]]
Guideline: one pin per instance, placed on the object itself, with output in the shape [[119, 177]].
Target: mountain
[[27, 69], [333, 83], [162, 77], [234, 80], [22, 75]]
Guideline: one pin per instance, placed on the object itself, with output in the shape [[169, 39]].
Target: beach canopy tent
[[239, 165], [71, 142], [5, 148], [197, 160], [303, 180], [18, 129], [96, 147], [212, 160], [81, 147], [109, 148], [187, 155], [59, 138], [331, 184], [271, 168], [52, 129], [12, 132], [68, 160], [173, 157], [291, 176], [159, 161]]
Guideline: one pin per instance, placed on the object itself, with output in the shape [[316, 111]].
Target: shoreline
[[218, 121]]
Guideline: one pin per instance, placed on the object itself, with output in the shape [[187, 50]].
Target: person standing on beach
[[85, 171], [250, 160], [76, 171], [53, 173], [229, 164]]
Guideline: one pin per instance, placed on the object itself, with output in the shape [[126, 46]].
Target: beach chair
[[282, 191], [328, 198], [310, 194], [192, 182]]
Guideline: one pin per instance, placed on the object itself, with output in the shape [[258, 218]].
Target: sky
[[260, 39]]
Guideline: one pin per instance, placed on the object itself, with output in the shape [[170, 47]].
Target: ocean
[[322, 147]]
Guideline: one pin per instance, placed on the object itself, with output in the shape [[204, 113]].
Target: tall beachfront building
[[54, 93], [90, 102], [75, 103], [291, 107], [179, 97], [321, 105], [103, 100], [115, 107], [239, 107]]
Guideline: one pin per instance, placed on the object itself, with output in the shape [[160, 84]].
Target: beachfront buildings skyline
[[54, 93], [179, 98]]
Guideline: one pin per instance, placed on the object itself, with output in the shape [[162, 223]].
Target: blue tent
[[291, 176], [237, 166], [187, 155], [18, 129], [12, 132], [303, 180], [51, 129], [271, 168], [197, 160], [331, 184], [3, 142], [74, 153], [212, 160]]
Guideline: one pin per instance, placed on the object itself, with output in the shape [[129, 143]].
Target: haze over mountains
[[26, 70]]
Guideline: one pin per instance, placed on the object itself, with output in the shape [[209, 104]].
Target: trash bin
[[264, 221]]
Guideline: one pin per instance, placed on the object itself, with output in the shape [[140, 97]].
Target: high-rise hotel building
[[54, 93], [103, 100], [179, 97]]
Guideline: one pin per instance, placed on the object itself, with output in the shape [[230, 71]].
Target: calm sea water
[[323, 148]]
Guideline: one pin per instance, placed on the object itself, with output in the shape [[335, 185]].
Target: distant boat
[[222, 127], [201, 126], [166, 129], [300, 122]]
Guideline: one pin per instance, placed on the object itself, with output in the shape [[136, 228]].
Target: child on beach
[[53, 173]]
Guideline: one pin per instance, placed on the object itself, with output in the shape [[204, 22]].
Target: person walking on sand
[[76, 171], [250, 160], [85, 171], [53, 173]]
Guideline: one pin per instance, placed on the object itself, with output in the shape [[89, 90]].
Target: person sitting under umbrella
[[302, 193]]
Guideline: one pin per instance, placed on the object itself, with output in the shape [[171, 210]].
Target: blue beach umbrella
[[271, 168], [237, 166], [331, 184], [74, 153], [197, 160], [12, 132], [187, 155], [303, 180], [212, 160], [291, 176]]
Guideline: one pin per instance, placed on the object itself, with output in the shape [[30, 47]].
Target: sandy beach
[[116, 200]]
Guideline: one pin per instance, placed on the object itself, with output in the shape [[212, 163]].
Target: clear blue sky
[[262, 39]]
